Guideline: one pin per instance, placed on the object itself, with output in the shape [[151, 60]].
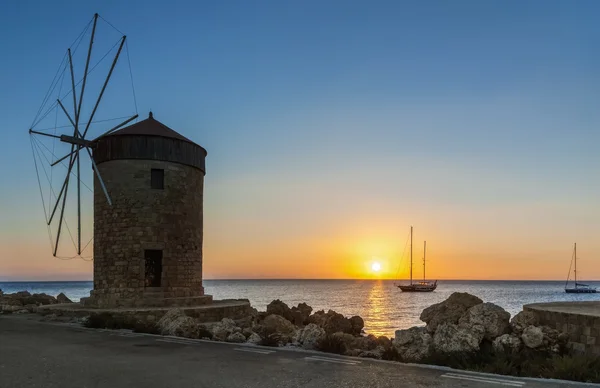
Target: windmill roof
[[151, 127]]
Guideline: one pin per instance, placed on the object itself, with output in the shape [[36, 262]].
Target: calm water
[[382, 305]]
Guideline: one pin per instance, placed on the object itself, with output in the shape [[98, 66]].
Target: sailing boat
[[422, 286], [579, 287]]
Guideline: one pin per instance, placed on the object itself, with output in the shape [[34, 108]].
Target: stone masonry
[[580, 320], [141, 218]]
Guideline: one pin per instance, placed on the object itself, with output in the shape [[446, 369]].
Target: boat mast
[[411, 259], [575, 253], [424, 250]]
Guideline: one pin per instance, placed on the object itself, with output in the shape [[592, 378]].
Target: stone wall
[[583, 329], [141, 218]]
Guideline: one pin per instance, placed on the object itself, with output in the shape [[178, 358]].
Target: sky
[[333, 127]]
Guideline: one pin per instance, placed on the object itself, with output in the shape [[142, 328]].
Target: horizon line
[[314, 279]]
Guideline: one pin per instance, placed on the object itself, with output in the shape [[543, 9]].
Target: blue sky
[[470, 116]]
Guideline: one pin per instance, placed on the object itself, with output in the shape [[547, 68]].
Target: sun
[[376, 267]]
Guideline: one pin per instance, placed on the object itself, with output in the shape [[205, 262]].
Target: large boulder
[[384, 341], [337, 323], [62, 298], [451, 338], [281, 327], [533, 337], [301, 313], [38, 299], [254, 339], [508, 343], [309, 335], [493, 319], [448, 311], [523, 320], [222, 330], [366, 343], [554, 340], [357, 324], [413, 344], [318, 318], [333, 322], [236, 337], [176, 323], [348, 340], [278, 307]]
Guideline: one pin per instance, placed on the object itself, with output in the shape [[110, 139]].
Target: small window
[[153, 264], [158, 178]]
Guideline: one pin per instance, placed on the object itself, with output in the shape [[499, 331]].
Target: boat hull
[[581, 290], [417, 288]]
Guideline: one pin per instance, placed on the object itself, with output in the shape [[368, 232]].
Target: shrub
[[391, 354], [104, 321], [144, 327], [203, 332], [575, 367]]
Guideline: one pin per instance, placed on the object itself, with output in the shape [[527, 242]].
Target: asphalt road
[[45, 355]]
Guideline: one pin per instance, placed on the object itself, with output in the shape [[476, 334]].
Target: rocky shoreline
[[462, 332]]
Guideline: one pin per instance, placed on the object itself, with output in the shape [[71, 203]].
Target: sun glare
[[376, 267]]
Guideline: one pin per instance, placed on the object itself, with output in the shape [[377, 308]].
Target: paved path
[[44, 355]]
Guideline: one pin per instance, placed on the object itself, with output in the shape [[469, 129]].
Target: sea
[[380, 303]]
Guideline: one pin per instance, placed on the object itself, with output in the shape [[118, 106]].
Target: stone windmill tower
[[148, 241], [148, 183]]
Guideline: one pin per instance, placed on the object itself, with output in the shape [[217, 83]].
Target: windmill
[[80, 108]]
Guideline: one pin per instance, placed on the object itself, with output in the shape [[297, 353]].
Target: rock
[[413, 344], [354, 352], [336, 322], [347, 339], [176, 323], [21, 294], [278, 307], [247, 332], [222, 330], [254, 339], [448, 311], [22, 311], [237, 338], [302, 311], [451, 338], [384, 341], [365, 343], [39, 299], [493, 319], [62, 298], [32, 308], [357, 324], [533, 337], [309, 335], [523, 320], [375, 353], [276, 324], [245, 322], [507, 343], [554, 339], [318, 318], [10, 308]]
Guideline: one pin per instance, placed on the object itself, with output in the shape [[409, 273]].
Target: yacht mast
[[424, 250], [575, 253], [411, 259]]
